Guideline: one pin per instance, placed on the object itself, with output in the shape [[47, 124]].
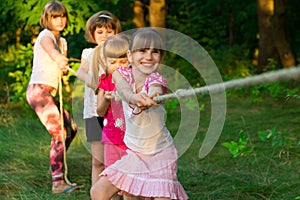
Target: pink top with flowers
[[114, 122]]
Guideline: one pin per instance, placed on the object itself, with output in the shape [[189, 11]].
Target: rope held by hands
[[63, 131], [292, 73], [69, 68]]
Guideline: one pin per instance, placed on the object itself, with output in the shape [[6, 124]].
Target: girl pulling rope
[[49, 63]]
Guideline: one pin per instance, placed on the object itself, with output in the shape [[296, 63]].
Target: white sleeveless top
[[90, 98], [146, 131], [45, 70]]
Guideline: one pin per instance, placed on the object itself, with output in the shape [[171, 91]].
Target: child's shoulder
[[105, 81], [156, 78], [46, 32], [126, 72], [86, 52]]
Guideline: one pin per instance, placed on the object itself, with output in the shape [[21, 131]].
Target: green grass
[[270, 172]]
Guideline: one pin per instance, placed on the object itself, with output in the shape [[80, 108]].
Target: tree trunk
[[157, 13], [283, 47], [18, 37], [138, 14], [267, 49], [231, 22], [272, 39]]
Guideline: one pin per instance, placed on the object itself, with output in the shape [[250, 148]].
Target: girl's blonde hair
[[53, 9], [101, 19], [145, 38], [96, 64], [115, 46]]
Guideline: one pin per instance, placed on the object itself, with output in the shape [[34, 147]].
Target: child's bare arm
[[103, 101], [141, 100], [82, 73], [122, 86], [48, 45], [155, 90]]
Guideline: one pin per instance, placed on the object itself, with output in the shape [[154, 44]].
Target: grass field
[[270, 171]]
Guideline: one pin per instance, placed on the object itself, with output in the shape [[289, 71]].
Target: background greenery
[[257, 156], [207, 22], [264, 163]]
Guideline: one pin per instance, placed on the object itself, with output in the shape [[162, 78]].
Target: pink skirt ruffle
[[147, 175]]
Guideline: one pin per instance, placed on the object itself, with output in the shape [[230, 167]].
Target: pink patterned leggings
[[47, 109]]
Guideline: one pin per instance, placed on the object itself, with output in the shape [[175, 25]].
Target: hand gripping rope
[[69, 68]]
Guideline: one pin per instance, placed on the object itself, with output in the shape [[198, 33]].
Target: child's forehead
[[146, 43], [54, 15], [101, 27], [117, 59], [110, 59], [57, 11]]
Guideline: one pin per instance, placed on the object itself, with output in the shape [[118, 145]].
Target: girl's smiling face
[[145, 60]]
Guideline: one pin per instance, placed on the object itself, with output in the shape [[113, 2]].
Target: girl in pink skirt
[[149, 170]]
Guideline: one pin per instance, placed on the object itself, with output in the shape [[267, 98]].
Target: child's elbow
[[100, 113]]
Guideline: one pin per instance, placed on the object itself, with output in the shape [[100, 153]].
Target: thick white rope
[[292, 73], [63, 131], [71, 70]]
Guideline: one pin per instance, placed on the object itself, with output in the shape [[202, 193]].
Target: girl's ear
[[129, 56]]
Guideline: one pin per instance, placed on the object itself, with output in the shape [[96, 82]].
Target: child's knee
[[97, 163], [97, 190], [103, 189], [93, 192]]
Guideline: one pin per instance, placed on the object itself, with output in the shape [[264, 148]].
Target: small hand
[[108, 95], [64, 71], [63, 63], [143, 101], [156, 94], [116, 96]]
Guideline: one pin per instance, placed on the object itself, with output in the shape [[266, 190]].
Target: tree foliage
[[227, 29]]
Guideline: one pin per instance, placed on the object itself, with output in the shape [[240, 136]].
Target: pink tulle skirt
[[147, 176]]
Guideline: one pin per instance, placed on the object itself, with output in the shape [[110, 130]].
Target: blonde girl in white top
[[149, 170]]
